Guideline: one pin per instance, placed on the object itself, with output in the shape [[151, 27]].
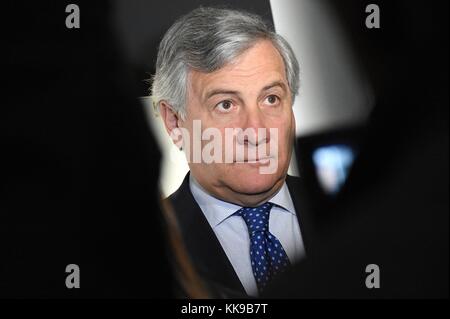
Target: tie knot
[[256, 218]]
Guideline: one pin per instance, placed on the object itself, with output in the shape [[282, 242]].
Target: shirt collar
[[217, 210]]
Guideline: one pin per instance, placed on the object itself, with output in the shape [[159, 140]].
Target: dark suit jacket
[[204, 248]]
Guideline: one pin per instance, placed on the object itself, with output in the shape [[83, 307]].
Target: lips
[[264, 160]]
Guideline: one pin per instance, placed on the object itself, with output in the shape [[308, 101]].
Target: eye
[[272, 99], [224, 106]]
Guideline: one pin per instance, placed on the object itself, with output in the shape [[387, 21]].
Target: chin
[[250, 181]]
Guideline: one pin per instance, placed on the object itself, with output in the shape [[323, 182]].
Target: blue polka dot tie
[[266, 253]]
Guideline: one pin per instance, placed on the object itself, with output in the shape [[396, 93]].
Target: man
[[240, 217]]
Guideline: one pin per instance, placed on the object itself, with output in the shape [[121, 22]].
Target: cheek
[[286, 130]]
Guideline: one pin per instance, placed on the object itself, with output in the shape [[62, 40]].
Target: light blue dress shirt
[[232, 232]]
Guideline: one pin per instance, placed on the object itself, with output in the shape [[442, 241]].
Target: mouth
[[262, 161]]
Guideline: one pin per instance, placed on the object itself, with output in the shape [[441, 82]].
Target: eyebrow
[[273, 84], [223, 91], [220, 91]]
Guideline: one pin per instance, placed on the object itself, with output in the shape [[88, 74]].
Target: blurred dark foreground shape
[[80, 167]]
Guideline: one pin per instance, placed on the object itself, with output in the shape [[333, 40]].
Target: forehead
[[256, 67]]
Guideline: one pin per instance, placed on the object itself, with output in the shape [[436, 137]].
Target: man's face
[[251, 92]]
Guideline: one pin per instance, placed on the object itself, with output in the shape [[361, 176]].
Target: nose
[[254, 128]]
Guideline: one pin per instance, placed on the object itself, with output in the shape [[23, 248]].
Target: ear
[[170, 119]]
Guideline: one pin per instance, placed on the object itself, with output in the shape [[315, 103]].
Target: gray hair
[[206, 39]]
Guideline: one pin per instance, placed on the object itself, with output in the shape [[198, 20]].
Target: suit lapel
[[202, 244], [301, 208]]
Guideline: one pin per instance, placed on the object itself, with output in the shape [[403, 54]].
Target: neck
[[227, 194]]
